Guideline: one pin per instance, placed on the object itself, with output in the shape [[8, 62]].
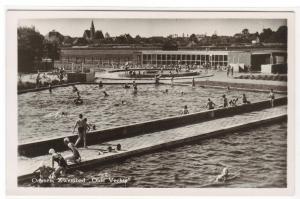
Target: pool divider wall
[[41, 147], [167, 145], [249, 86]]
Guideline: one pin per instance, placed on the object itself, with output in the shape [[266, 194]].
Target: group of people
[[62, 162], [211, 105], [232, 103], [46, 172], [229, 71]]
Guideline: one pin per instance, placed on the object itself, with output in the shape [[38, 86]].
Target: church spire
[[92, 29]]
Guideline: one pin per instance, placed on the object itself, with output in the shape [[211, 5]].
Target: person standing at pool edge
[[86, 129], [225, 101], [272, 97], [80, 124], [185, 110], [210, 105]]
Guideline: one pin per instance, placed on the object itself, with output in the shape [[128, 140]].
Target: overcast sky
[[153, 27]]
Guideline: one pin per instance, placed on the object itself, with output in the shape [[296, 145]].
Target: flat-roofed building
[[100, 57]]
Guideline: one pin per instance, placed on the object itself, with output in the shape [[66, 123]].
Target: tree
[[281, 34], [193, 38], [107, 35], [265, 35], [245, 31], [170, 45], [99, 35], [30, 48], [51, 50]]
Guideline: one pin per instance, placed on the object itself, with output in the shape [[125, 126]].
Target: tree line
[[32, 46]]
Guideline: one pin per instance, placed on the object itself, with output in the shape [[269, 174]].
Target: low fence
[[40, 148]]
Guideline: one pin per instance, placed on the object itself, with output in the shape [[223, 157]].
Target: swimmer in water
[[122, 103], [100, 84], [50, 88], [185, 110], [193, 83], [134, 84], [75, 89], [60, 114], [75, 156], [182, 93], [135, 89], [166, 91], [61, 162], [126, 86], [78, 100], [105, 94], [223, 176]]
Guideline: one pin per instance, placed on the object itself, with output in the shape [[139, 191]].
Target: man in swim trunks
[[272, 97], [86, 129], [185, 110], [80, 124], [61, 162], [225, 101], [210, 105], [75, 156]]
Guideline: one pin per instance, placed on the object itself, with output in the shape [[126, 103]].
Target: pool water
[[257, 158], [39, 112]]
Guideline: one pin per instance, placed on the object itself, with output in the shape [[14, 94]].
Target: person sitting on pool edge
[[233, 102], [185, 110], [61, 162], [44, 171], [75, 156]]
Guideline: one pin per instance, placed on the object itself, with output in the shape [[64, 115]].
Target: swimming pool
[[197, 165], [39, 118]]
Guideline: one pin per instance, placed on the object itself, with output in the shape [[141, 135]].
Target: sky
[[153, 27]]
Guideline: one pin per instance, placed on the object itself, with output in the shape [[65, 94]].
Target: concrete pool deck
[[209, 80], [160, 140]]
